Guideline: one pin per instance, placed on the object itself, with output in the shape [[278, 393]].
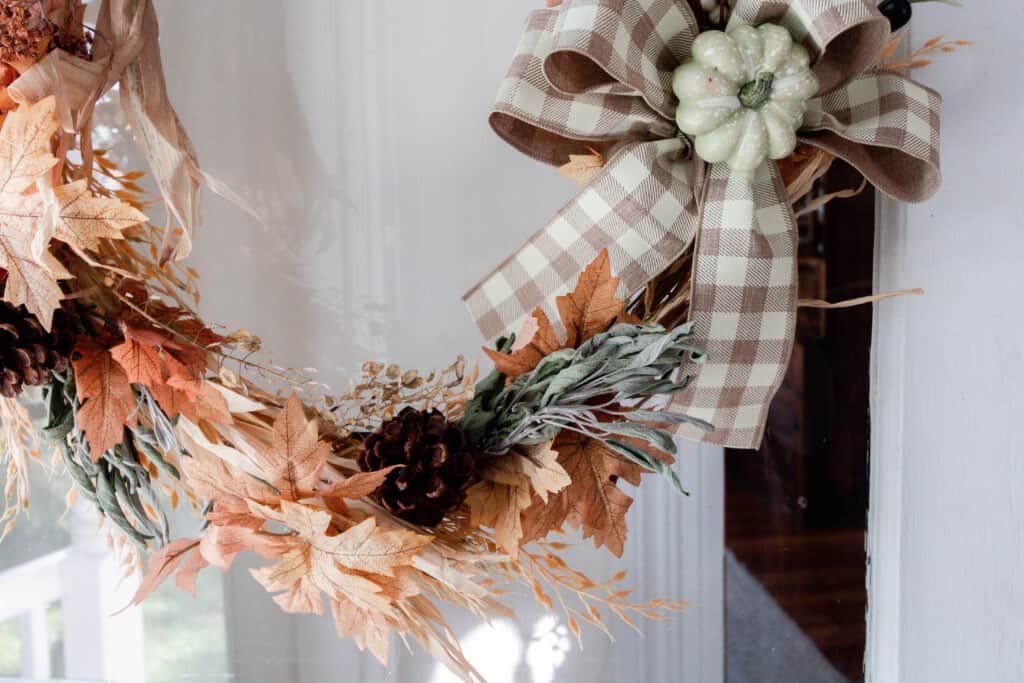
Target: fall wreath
[[414, 489]]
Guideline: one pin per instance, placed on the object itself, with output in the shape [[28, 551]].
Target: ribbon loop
[[844, 37], [549, 125], [621, 47], [887, 127]]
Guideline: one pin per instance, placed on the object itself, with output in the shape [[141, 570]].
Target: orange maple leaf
[[108, 403], [588, 310]]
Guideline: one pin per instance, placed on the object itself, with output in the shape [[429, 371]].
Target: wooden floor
[[817, 576]]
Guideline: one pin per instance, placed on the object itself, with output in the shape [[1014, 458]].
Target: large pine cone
[[437, 465], [28, 353]]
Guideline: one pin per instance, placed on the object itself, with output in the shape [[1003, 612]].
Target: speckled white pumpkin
[[743, 94]]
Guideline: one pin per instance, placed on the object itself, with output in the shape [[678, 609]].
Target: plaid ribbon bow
[[597, 74]]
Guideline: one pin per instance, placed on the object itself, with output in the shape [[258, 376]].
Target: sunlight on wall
[[497, 651]]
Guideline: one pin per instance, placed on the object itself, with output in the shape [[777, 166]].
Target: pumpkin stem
[[756, 92]]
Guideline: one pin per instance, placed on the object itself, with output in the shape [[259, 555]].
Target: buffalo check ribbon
[[596, 75]]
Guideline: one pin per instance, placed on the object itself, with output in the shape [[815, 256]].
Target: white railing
[[85, 579]]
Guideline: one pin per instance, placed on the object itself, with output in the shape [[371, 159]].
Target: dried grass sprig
[[923, 56]]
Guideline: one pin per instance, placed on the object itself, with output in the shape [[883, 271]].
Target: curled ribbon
[[596, 74]]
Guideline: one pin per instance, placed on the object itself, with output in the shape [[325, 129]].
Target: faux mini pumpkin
[[743, 94]]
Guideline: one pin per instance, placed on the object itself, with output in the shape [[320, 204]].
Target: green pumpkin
[[743, 95]]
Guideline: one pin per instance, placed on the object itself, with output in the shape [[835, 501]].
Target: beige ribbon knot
[[596, 74]]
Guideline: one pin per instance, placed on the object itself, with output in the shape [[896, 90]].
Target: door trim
[[885, 504]]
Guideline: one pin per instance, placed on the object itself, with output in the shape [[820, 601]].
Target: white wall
[[950, 461]]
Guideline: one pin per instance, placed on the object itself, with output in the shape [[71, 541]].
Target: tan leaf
[[81, 220], [358, 485], [85, 220], [500, 507], [293, 461], [25, 146], [108, 404], [367, 548], [592, 501], [31, 281], [507, 487], [582, 168], [369, 630], [592, 306], [210, 478]]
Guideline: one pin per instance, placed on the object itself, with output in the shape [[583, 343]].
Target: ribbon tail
[[743, 306], [640, 206]]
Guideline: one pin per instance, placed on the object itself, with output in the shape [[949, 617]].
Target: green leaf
[[640, 457]]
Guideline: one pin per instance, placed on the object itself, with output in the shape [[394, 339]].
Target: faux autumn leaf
[[24, 157], [85, 219], [295, 456], [508, 484], [582, 168], [341, 565], [592, 501], [81, 220], [588, 310], [108, 404], [359, 485], [140, 359], [592, 306], [163, 563]]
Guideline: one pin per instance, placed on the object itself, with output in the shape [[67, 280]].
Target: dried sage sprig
[[604, 390]]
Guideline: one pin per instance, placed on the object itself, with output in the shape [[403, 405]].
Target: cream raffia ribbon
[[596, 74]]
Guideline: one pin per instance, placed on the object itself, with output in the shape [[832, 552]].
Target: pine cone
[[437, 465], [28, 353]]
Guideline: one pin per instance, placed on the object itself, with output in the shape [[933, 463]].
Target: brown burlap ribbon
[[596, 74]]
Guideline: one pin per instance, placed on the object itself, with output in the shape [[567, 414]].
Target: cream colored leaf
[[540, 464], [25, 146], [367, 548], [31, 281], [85, 219], [296, 455]]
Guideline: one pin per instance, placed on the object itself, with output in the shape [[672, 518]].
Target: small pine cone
[[25, 32], [28, 353], [437, 465]]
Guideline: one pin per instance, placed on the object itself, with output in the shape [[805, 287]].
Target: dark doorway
[[796, 510]]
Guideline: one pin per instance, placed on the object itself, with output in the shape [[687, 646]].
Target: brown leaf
[[589, 309], [592, 501], [161, 565], [140, 359], [108, 404], [543, 342], [592, 306]]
